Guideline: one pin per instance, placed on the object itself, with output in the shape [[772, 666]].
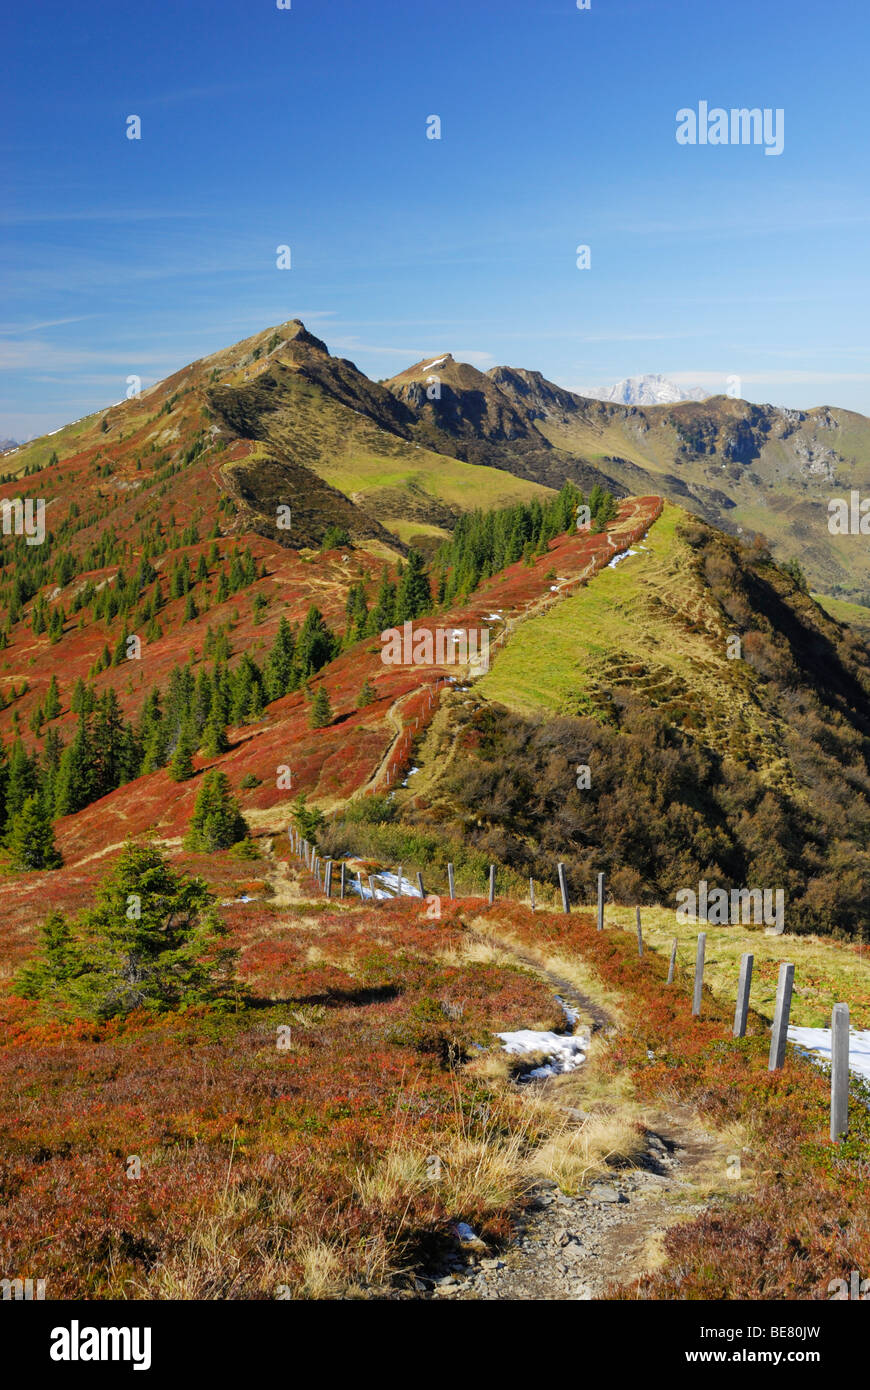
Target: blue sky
[[307, 127]]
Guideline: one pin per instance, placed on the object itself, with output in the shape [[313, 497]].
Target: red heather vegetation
[[806, 1219]]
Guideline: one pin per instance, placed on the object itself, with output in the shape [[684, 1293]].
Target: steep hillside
[[722, 718]]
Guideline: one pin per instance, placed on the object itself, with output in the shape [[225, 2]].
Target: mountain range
[[390, 460]]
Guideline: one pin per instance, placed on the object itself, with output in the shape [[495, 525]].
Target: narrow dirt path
[[587, 1246], [584, 1246]]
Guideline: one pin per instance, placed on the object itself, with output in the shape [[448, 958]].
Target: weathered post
[[563, 885], [743, 987], [450, 880], [327, 887], [699, 974], [420, 884], [491, 883], [779, 1032], [673, 965], [532, 893], [639, 932], [341, 888], [372, 889], [839, 1072], [601, 902]]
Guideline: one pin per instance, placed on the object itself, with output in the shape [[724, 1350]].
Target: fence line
[[322, 869]]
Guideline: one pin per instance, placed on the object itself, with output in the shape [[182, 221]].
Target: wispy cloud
[[38, 327], [20, 219]]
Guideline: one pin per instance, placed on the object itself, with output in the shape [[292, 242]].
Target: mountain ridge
[[395, 449]]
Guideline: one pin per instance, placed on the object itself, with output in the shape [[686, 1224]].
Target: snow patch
[[816, 1042], [408, 889], [564, 1052], [611, 564]]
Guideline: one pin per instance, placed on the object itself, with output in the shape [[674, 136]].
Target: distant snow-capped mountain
[[651, 389]]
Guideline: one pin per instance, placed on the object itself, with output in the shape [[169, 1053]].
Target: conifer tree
[[217, 821], [279, 673], [215, 740], [22, 778], [151, 941], [74, 786], [384, 612], [51, 706], [366, 695], [315, 645], [57, 963], [321, 709], [30, 837], [181, 768]]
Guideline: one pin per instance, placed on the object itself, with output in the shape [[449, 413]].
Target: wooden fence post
[[673, 965], [341, 888], [779, 1032], [639, 932], [743, 987], [563, 885], [601, 902], [420, 884], [327, 886], [372, 890], [532, 893], [699, 974], [491, 883], [839, 1072], [450, 880]]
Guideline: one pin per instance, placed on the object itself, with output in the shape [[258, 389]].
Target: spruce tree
[[152, 940], [321, 709], [22, 779], [51, 706], [383, 615], [315, 645], [59, 961], [279, 663], [181, 768], [30, 837], [217, 821], [366, 695], [215, 741]]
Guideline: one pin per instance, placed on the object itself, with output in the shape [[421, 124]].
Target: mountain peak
[[421, 369], [650, 389]]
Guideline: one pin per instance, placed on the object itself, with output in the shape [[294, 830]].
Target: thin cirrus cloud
[[36, 355]]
